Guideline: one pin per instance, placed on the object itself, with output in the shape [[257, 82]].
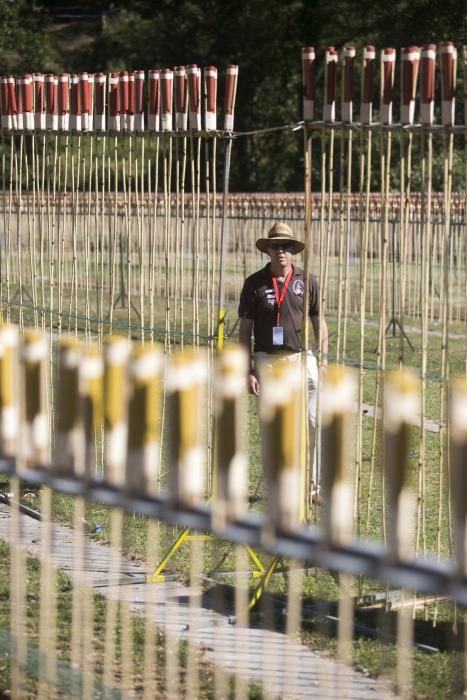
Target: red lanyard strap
[[280, 298]]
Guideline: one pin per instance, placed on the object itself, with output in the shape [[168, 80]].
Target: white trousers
[[312, 373]]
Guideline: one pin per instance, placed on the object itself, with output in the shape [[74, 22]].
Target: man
[[272, 307]]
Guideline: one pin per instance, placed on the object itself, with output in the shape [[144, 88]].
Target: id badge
[[277, 335]]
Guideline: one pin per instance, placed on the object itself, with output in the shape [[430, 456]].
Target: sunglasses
[[281, 246]]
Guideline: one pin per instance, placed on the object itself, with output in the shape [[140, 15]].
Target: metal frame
[[307, 543]]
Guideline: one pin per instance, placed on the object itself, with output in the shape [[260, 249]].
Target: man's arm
[[320, 331], [244, 337]]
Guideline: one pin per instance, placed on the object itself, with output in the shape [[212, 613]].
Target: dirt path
[[307, 674]]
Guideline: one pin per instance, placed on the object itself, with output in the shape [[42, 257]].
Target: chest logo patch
[[270, 296], [298, 288]]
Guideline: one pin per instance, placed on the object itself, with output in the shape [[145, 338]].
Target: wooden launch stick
[[116, 351], [186, 383], [231, 477], [330, 82], [145, 393], [68, 456], [280, 412]]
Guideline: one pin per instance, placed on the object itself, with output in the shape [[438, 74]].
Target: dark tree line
[[264, 37]]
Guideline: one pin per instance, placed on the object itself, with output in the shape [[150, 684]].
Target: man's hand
[[323, 370], [253, 384]]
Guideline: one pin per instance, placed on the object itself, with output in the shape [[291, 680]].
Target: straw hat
[[280, 233]]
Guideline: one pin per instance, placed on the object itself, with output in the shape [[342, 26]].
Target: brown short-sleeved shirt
[[258, 302]]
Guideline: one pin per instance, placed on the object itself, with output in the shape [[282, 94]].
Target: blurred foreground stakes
[[113, 398]]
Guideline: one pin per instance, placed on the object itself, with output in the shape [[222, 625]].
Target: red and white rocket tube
[[124, 99], [4, 97], [167, 82], [448, 58], [309, 82], [28, 102], [210, 88], [86, 82], [181, 102], [330, 78], [99, 101], [229, 97], [51, 102], [64, 102], [114, 102], [139, 100], [75, 103], [409, 73], [154, 100], [348, 60], [7, 120], [194, 97], [19, 103], [427, 83], [388, 65], [39, 102], [130, 117], [368, 84], [12, 101]]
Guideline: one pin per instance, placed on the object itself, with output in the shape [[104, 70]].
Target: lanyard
[[280, 298]]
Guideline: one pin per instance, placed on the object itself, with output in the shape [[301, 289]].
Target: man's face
[[281, 252]]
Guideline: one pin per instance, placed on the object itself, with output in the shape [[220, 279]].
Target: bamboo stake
[[17, 592], [150, 654], [18, 226], [363, 294], [112, 605], [48, 602], [346, 280], [153, 239], [381, 350], [167, 146], [62, 220], [129, 227], [182, 242], [443, 459], [195, 170], [113, 238], [105, 265], [340, 245], [139, 193], [87, 237], [10, 214], [427, 169], [126, 206], [41, 180], [178, 251]]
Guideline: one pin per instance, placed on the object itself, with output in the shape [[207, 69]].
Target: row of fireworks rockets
[[172, 100], [413, 61], [119, 390], [175, 99]]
